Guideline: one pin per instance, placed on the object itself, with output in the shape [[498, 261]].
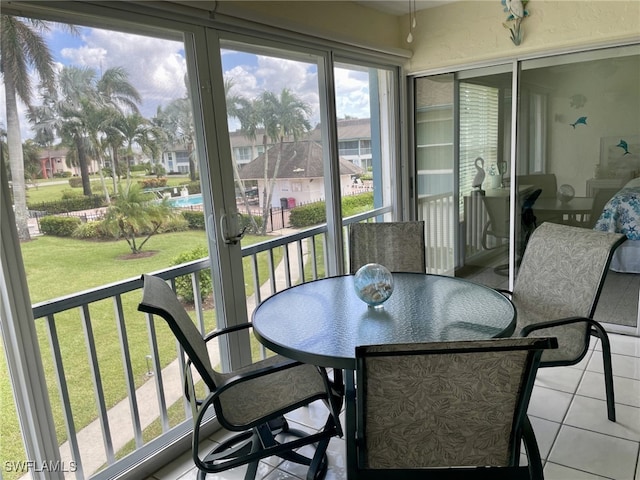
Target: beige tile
[[591, 414], [622, 365], [546, 432], [564, 379], [623, 345], [549, 404], [553, 471], [627, 390], [595, 453]]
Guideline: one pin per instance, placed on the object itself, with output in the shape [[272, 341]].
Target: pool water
[[186, 201]]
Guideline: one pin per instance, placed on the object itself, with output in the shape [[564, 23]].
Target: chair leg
[[608, 371], [533, 452]]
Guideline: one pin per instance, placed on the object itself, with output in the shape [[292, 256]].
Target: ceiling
[[401, 7]]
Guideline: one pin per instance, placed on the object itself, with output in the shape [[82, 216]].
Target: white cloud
[[156, 67]]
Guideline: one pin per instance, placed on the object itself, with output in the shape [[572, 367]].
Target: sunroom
[[96, 385]]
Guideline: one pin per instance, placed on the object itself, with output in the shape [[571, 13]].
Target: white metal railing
[[440, 213], [301, 261]]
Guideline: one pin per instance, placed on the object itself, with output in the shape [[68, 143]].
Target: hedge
[[195, 219], [68, 205], [315, 213], [59, 226]]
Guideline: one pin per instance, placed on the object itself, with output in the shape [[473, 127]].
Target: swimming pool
[[189, 201]]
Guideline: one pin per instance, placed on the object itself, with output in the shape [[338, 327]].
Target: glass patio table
[[321, 323]]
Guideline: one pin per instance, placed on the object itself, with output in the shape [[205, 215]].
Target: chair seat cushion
[[281, 391]]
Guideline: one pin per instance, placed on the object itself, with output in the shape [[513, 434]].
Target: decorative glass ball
[[566, 193], [373, 284]]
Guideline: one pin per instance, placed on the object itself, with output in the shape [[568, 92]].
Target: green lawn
[[62, 266]]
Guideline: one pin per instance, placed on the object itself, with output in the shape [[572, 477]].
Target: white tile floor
[[568, 412]]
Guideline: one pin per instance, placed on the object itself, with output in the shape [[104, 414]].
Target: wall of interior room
[[469, 32], [573, 153], [336, 20]]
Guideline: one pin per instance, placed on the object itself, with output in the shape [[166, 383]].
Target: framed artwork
[[619, 156]]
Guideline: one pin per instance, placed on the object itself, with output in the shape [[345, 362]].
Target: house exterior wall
[[303, 190]]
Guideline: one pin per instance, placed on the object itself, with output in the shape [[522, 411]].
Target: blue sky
[[156, 67]]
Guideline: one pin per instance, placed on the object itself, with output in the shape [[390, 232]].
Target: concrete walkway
[[90, 439]]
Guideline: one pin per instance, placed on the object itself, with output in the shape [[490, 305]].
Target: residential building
[[299, 177]]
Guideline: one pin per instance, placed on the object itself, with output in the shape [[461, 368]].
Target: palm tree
[[83, 95], [133, 129], [21, 45], [279, 118], [235, 106], [137, 214]]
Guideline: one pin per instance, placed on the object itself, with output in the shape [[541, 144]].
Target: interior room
[[482, 119]]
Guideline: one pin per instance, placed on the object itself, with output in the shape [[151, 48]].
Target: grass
[[60, 266]]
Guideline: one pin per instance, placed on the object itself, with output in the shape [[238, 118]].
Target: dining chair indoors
[[399, 246], [497, 225], [447, 410], [557, 289], [251, 400]]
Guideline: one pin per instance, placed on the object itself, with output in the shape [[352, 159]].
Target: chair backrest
[[546, 182], [561, 275], [563, 269], [399, 246], [159, 299], [444, 404]]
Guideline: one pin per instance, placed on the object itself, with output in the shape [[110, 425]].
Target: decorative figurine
[[479, 178], [517, 12]]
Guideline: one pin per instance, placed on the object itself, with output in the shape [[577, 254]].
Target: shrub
[[315, 213], [195, 219], [69, 194], [176, 223], [153, 182], [308, 215], [91, 230], [184, 288], [75, 182], [194, 188], [245, 221], [59, 226]]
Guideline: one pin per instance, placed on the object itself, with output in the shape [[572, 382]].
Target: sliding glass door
[[579, 126], [570, 156]]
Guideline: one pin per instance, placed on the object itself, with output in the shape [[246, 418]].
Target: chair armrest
[[226, 330], [525, 331]]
